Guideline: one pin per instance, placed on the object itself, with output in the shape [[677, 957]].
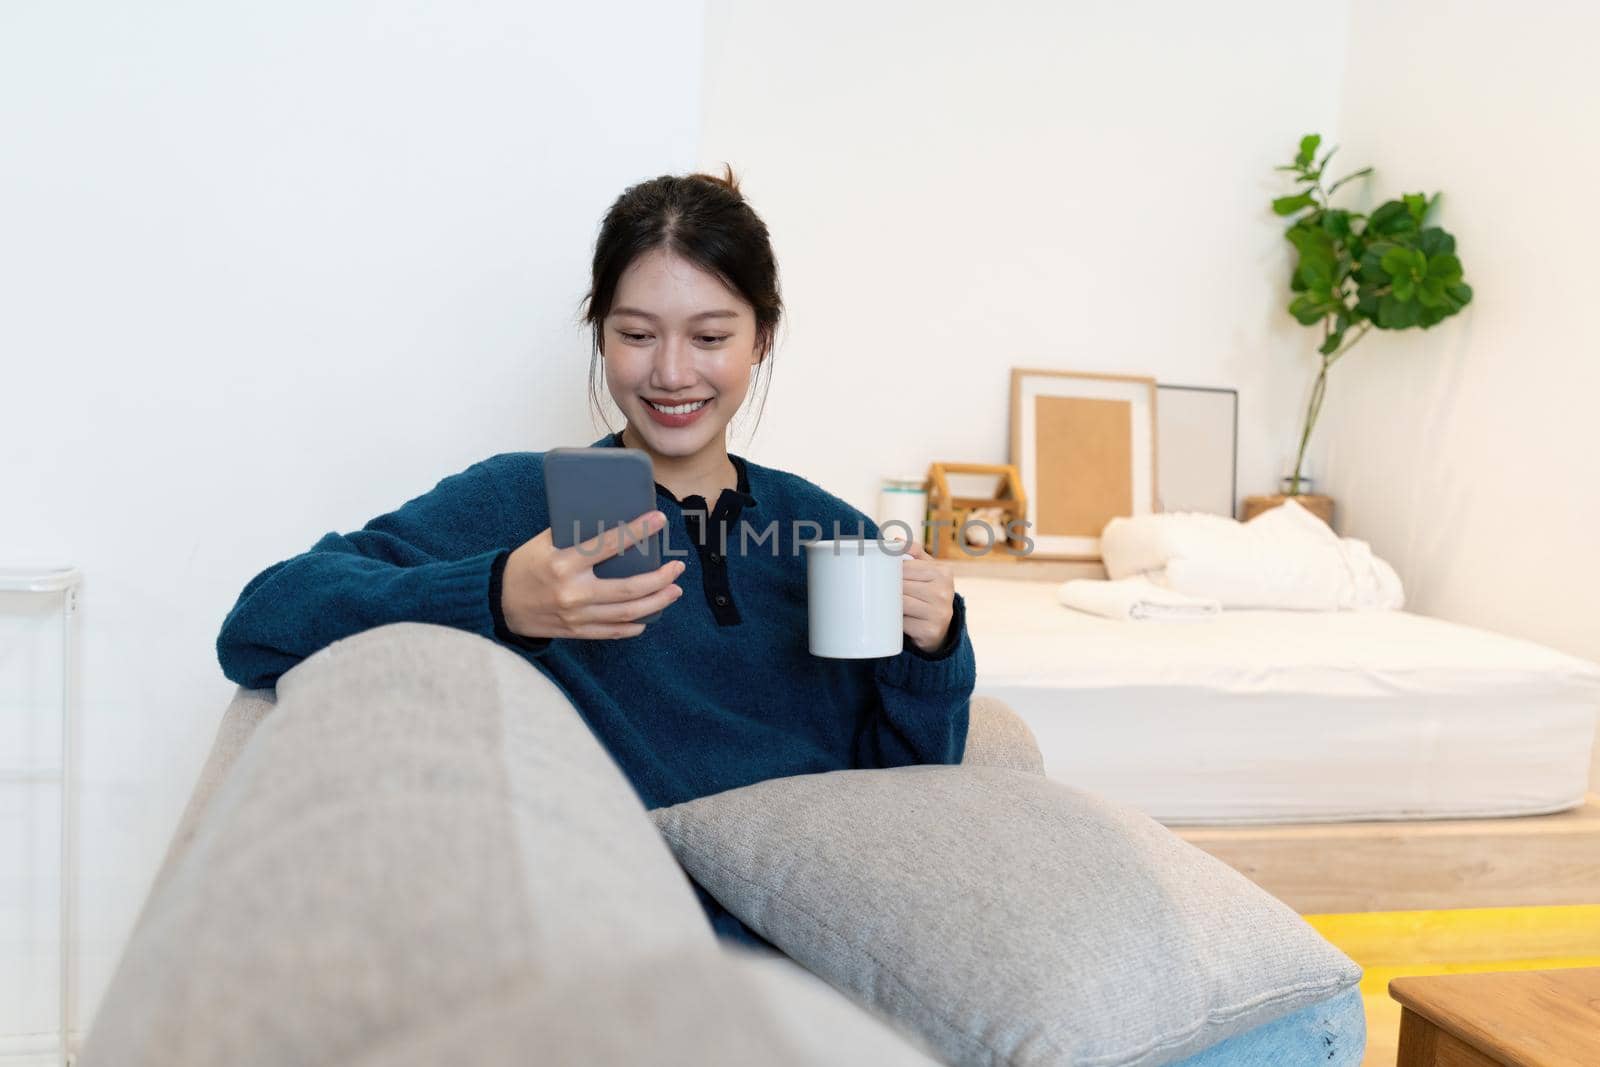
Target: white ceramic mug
[[853, 597]]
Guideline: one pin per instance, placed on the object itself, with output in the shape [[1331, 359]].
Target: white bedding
[[1283, 716], [1285, 557]]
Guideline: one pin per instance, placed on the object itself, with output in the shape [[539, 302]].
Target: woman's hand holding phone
[[552, 592]]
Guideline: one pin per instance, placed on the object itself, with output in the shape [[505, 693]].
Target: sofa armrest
[[997, 737], [244, 713], [418, 823]]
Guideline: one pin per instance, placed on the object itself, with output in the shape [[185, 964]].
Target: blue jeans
[[1329, 1033]]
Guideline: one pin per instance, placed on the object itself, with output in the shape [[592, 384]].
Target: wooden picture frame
[[1085, 446]]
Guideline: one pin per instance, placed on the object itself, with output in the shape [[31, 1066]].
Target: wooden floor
[[1431, 897], [1391, 944], [1422, 865]]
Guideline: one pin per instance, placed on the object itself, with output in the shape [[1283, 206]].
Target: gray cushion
[[690, 1006], [424, 818], [997, 737], [1006, 917]]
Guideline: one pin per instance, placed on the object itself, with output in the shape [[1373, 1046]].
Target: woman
[[721, 690]]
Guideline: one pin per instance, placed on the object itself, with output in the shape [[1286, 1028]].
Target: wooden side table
[[1319, 505], [1511, 1018]]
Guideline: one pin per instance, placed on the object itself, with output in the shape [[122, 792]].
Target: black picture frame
[[1188, 419]]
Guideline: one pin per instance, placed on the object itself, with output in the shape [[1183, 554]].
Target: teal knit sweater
[[719, 693]]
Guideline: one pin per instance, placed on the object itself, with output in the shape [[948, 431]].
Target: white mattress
[[1279, 716]]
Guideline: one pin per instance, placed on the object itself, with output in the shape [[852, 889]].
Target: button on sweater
[[718, 693]]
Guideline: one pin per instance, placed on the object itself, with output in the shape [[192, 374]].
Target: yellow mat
[[1391, 944]]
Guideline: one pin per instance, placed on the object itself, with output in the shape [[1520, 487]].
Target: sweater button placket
[[716, 556]]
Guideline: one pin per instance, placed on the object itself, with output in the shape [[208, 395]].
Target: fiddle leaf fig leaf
[[1308, 148], [1435, 242], [1317, 258], [1397, 313], [1336, 223], [1313, 306], [1406, 267], [1416, 207], [1444, 267], [1288, 205], [1317, 271], [1372, 270], [1391, 219], [1430, 294], [1367, 301]]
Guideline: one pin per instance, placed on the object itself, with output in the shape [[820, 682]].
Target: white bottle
[[903, 499]]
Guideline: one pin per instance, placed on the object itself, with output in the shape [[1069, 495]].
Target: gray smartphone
[[590, 489]]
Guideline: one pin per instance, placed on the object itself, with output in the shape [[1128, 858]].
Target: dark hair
[[704, 219]]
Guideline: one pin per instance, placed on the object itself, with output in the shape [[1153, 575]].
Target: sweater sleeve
[[923, 699], [921, 713], [432, 560]]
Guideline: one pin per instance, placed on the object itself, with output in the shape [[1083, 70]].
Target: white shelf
[[27, 771], [38, 579], [24, 776]]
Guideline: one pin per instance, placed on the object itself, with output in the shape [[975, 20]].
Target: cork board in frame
[[1085, 446]]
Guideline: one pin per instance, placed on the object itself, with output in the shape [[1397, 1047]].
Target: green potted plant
[[1391, 270]]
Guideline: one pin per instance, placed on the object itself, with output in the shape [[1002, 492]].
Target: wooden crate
[[951, 511]]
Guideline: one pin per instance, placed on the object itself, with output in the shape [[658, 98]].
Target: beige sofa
[[415, 834], [414, 851]]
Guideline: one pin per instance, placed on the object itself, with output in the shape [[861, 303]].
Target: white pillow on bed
[[1285, 558], [1282, 583]]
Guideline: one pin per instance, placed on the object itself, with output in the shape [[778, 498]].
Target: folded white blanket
[[1283, 558], [1133, 599]]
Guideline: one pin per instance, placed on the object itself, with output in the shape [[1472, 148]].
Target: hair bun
[[726, 179]]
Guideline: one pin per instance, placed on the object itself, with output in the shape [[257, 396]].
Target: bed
[[1277, 739], [1282, 716]]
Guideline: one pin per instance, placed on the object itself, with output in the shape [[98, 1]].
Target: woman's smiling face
[[678, 336]]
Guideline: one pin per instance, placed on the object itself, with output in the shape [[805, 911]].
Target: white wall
[[954, 192], [269, 271], [1469, 454]]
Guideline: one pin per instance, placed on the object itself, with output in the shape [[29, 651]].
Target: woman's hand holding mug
[[552, 592], [928, 598]]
